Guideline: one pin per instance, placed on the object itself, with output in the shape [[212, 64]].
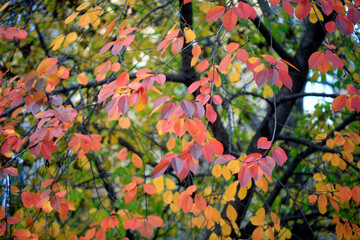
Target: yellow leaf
[[169, 184], [82, 6], [238, 68], [242, 193], [231, 213], [4, 6], [54, 229], [284, 234], [70, 18], [226, 173], [159, 183], [216, 171], [320, 137], [234, 78], [168, 197], [231, 191], [57, 42], [315, 15], [268, 92], [70, 38], [84, 20], [171, 143], [319, 177], [189, 35], [234, 166]]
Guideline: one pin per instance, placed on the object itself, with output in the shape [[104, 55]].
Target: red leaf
[[106, 92], [106, 47], [224, 159], [100, 234], [160, 169], [149, 189], [146, 229], [158, 102], [210, 113], [12, 171], [316, 59], [177, 165], [203, 65], [285, 79], [302, 10], [354, 15], [279, 155], [188, 107], [195, 150], [200, 202], [192, 88], [124, 104], [263, 143], [160, 78], [242, 55], [225, 62], [339, 103], [245, 11], [229, 20], [244, 176], [274, 2], [330, 26], [231, 47], [199, 110], [133, 224], [155, 220], [217, 99], [336, 62], [215, 13], [177, 45], [167, 110], [122, 79], [344, 24], [217, 147]]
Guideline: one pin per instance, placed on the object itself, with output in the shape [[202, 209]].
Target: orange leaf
[[210, 113], [312, 198], [155, 220], [70, 18], [345, 193], [322, 202], [122, 155], [215, 13], [2, 212], [209, 212], [258, 233], [339, 103], [259, 218], [149, 188], [355, 193], [146, 229], [100, 234], [136, 160], [124, 123], [82, 78], [229, 20], [200, 202]]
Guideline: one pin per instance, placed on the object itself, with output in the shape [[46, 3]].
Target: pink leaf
[[224, 159], [244, 176]]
